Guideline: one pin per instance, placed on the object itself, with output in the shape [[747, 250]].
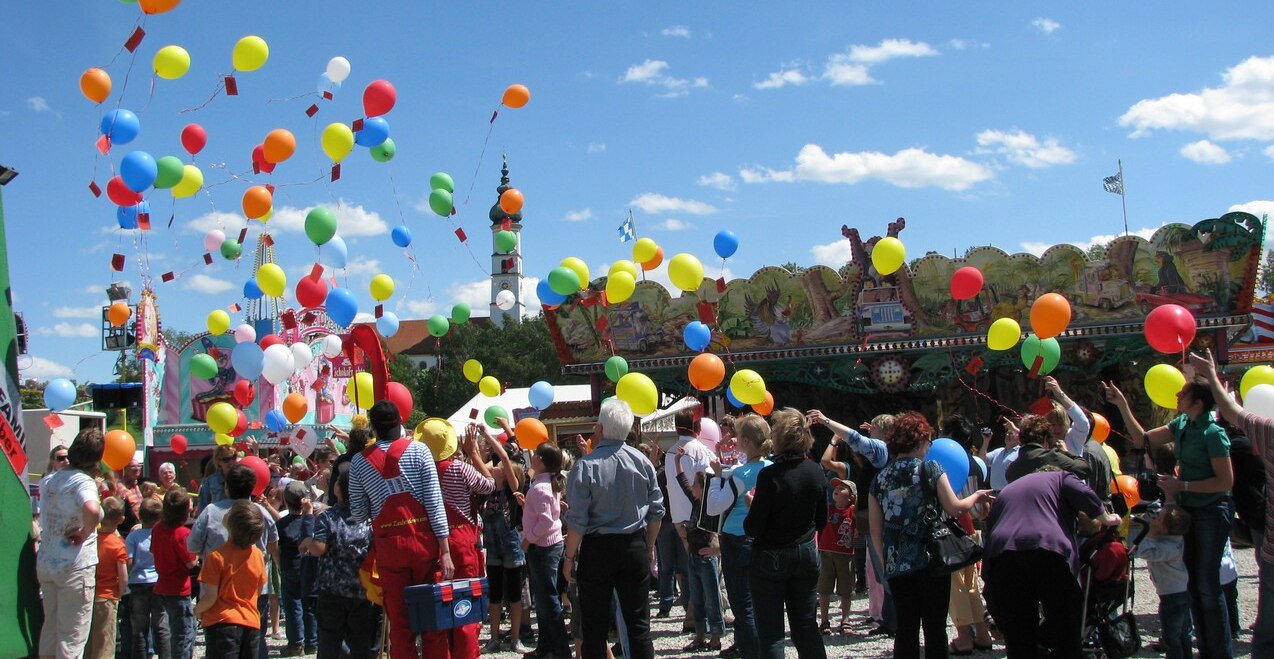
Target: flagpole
[[633, 223], [1123, 195]]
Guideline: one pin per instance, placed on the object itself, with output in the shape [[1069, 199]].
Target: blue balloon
[[275, 421], [59, 394], [697, 336], [342, 306], [121, 126], [334, 252], [729, 396], [326, 84], [127, 215], [387, 324], [251, 290], [401, 236], [725, 244], [541, 395], [374, 133], [138, 171], [953, 458], [547, 295], [248, 360]]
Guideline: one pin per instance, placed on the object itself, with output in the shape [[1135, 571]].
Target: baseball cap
[[294, 492], [438, 435], [853, 487]]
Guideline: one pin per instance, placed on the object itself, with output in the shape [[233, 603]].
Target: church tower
[[506, 267]]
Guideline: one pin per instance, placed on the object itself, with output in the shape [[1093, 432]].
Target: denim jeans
[[1263, 634], [181, 623], [787, 577], [736, 563], [671, 554], [347, 621], [541, 568], [147, 617], [298, 613], [1204, 545], [1175, 626], [705, 595]]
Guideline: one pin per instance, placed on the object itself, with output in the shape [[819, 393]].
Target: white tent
[[516, 401]]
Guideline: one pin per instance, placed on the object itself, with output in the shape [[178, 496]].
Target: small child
[[1230, 588], [112, 576], [836, 551], [1163, 550], [341, 544], [705, 594], [173, 563], [301, 625], [145, 607], [231, 580]]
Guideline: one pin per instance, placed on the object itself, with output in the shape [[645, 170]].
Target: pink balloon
[[709, 433], [193, 138], [261, 469], [379, 98], [258, 159], [1170, 328], [966, 283]]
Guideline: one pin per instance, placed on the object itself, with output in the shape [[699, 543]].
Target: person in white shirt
[[1067, 421], [695, 458], [998, 461]]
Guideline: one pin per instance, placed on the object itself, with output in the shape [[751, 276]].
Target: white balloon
[[338, 69], [505, 300], [332, 346], [279, 363], [213, 239], [1260, 401], [303, 440], [244, 333], [301, 355]]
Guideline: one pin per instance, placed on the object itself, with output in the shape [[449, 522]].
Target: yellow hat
[[438, 435]]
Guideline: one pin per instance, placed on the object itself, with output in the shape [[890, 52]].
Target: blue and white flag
[[1114, 184], [627, 231]]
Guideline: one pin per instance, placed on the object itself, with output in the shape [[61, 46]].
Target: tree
[[1267, 272], [1097, 252]]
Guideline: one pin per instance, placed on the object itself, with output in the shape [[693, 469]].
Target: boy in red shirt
[[112, 578], [836, 553], [172, 566], [230, 582]]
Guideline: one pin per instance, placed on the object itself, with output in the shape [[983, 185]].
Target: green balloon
[[563, 280], [441, 203], [385, 151], [442, 181], [231, 249], [616, 368], [439, 326], [203, 366], [340, 447], [1048, 350], [460, 313], [495, 412], [298, 461], [506, 241], [320, 225], [170, 171]]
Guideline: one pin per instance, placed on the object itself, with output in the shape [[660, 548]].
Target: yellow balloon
[[1163, 382], [473, 370], [489, 386], [579, 267], [359, 390], [250, 53], [1113, 457], [644, 250], [624, 265], [223, 439], [748, 387], [171, 62], [619, 287], [1263, 374], [1004, 334], [888, 255], [218, 323], [271, 279], [639, 391], [222, 417], [266, 218], [337, 141], [686, 272], [382, 287], [190, 183]]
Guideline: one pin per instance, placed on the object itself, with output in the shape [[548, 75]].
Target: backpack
[[700, 517]]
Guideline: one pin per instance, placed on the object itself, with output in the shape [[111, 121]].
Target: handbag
[[950, 548], [1119, 636]]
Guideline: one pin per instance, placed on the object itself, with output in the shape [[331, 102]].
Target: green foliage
[[1267, 273]]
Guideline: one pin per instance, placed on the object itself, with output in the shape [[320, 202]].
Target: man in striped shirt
[[395, 484]]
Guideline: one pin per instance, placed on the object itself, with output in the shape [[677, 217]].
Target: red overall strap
[[386, 462]]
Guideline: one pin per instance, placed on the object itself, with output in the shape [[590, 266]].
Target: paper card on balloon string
[[135, 40], [234, 308], [460, 234], [603, 324], [207, 258], [308, 318], [1036, 366], [243, 235], [357, 125], [103, 145], [336, 172], [143, 221], [721, 285], [494, 114], [316, 273], [166, 277], [506, 225], [170, 220], [232, 87], [1042, 406], [380, 310], [453, 211], [312, 110], [974, 365], [288, 319], [255, 425], [303, 442], [270, 188], [53, 421], [256, 167], [117, 262], [605, 300], [328, 96], [267, 239], [92, 187]]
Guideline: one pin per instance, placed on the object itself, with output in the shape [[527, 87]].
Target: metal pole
[[1123, 195]]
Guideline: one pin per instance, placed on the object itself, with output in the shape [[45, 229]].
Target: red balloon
[[120, 194], [193, 138], [178, 444], [966, 283], [311, 291], [261, 469], [258, 159], [244, 393], [400, 396], [379, 98], [240, 426], [1170, 328], [269, 340]]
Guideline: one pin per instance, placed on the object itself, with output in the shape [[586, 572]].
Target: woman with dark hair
[[1038, 451], [543, 544], [57, 460], [898, 502]]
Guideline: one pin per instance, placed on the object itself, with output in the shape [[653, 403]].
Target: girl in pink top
[[542, 542]]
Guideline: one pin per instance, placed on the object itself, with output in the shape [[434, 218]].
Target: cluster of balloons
[[569, 277], [1050, 315], [337, 70], [441, 188]]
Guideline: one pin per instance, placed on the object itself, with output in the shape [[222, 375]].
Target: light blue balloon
[[326, 84], [59, 394], [342, 306], [248, 360], [121, 126], [374, 133], [697, 336], [127, 215], [725, 244], [953, 458], [334, 253], [547, 295], [541, 395], [401, 236], [138, 171], [275, 421], [251, 290], [387, 324]]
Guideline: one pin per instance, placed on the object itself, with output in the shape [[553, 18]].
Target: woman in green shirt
[[1202, 487]]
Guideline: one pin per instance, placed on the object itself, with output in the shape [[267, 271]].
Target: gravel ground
[[669, 640]]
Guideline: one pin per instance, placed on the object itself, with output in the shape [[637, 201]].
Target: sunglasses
[[61, 458], [226, 460]]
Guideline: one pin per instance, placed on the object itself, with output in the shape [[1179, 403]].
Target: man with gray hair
[[613, 520]]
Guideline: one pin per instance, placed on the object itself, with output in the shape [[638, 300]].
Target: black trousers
[[1018, 584], [227, 641], [921, 599], [347, 621], [610, 564]]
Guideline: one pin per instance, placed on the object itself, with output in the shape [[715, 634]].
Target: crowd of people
[[583, 541]]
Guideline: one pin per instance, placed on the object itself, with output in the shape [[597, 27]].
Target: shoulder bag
[[950, 549]]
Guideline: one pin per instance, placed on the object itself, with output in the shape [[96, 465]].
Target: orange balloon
[[95, 84], [157, 6], [516, 96], [119, 313], [530, 433], [1050, 314], [1127, 486], [766, 406], [257, 201], [1101, 428], [279, 145], [511, 201], [119, 449], [295, 407], [706, 371], [654, 261]]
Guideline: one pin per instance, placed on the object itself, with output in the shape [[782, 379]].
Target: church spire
[[497, 215]]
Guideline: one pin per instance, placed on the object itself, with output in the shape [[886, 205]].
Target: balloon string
[[409, 252], [132, 59], [291, 98], [477, 168], [136, 24], [150, 96], [221, 86]]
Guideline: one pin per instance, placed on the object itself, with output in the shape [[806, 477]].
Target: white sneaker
[[518, 648]]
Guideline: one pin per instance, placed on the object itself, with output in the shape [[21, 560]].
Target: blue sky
[[989, 126]]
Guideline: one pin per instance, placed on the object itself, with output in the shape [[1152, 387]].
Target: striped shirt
[[368, 490], [1261, 432], [460, 481]]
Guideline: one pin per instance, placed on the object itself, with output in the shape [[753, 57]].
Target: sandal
[[825, 629], [695, 646], [846, 628]]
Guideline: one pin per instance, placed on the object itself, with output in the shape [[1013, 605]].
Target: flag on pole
[[627, 231], [1114, 184]]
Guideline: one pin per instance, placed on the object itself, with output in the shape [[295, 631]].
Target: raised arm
[[1228, 407], [1136, 433], [869, 447]]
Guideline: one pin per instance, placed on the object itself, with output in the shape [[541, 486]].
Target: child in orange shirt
[[112, 578], [232, 578]]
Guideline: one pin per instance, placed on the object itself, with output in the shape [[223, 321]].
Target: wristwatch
[[1185, 485]]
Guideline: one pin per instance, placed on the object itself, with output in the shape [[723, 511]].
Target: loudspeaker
[[117, 396]]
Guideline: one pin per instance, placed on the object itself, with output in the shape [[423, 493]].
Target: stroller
[[1109, 627]]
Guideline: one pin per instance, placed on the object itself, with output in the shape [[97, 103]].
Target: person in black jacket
[[1035, 452], [1249, 483]]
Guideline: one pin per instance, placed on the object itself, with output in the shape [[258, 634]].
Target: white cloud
[[359, 268], [351, 221], [654, 203], [421, 308], [596, 147], [40, 368], [79, 312], [1038, 248], [1023, 148], [476, 294], [655, 74], [1259, 207], [967, 44], [1046, 25], [840, 71], [1242, 108], [890, 49], [833, 255], [1268, 151], [202, 283], [228, 222], [782, 78], [673, 224], [38, 104], [530, 298], [851, 68], [718, 180], [676, 31], [908, 168], [69, 330], [579, 215], [1205, 153]]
